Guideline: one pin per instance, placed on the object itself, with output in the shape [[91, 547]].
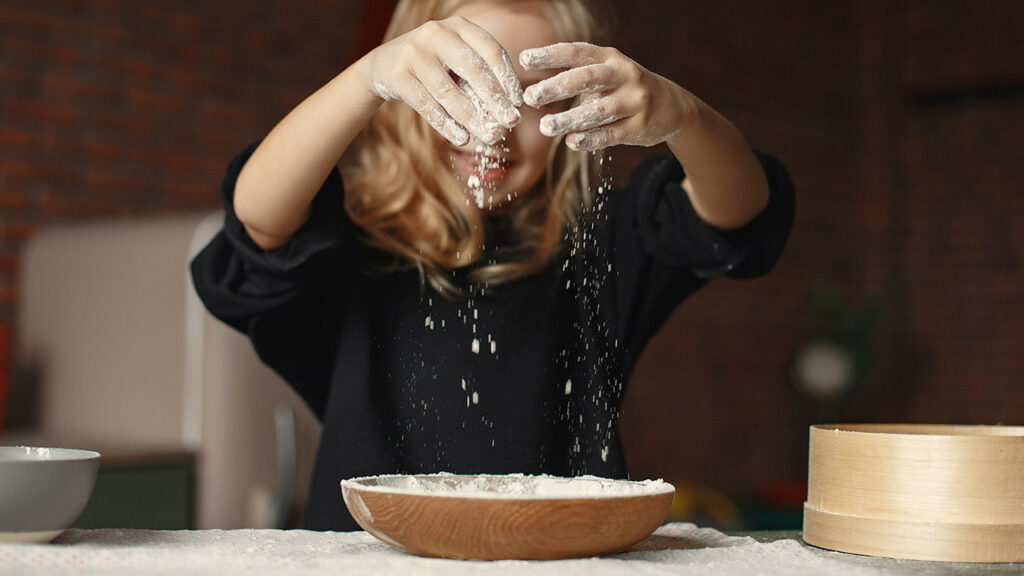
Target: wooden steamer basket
[[920, 492]]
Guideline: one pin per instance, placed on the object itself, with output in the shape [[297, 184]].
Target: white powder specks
[[568, 386], [384, 92], [41, 453], [32, 453]]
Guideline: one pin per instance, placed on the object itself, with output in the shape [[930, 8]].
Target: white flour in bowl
[[513, 486]]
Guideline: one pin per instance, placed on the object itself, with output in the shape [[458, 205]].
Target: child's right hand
[[418, 67]]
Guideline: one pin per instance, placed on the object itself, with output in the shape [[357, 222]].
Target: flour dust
[[594, 384], [593, 411]]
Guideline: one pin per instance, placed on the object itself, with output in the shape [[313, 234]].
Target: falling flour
[[587, 268], [485, 158], [593, 401]]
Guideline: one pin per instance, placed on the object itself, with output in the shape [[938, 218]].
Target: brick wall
[[900, 122], [712, 401], [117, 108], [961, 159]]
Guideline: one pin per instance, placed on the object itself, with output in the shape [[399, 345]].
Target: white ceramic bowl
[[43, 490], [493, 517]]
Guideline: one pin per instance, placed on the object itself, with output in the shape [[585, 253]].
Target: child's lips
[[491, 175]]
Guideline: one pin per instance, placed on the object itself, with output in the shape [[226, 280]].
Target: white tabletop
[[673, 549]]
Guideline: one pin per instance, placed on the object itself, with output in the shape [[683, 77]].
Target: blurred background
[[900, 296]]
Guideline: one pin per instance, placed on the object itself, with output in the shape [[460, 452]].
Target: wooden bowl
[[493, 517], [921, 492]]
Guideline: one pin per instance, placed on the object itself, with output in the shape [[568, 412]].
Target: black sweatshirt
[[523, 377]]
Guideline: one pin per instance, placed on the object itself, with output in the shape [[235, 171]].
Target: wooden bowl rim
[[646, 488]]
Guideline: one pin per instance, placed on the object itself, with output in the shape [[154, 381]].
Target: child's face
[[514, 166]]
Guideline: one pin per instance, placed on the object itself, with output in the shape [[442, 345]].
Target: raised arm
[[624, 103], [421, 68]]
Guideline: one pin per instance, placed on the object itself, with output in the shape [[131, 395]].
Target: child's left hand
[[621, 102]]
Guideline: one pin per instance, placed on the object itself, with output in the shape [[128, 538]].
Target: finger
[[571, 83], [418, 97], [498, 59], [562, 55], [598, 138], [460, 103], [588, 97], [491, 130], [490, 95], [462, 58], [582, 118]]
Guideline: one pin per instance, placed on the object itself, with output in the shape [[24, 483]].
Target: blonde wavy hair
[[401, 192]]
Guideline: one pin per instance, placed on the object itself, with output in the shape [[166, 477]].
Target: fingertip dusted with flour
[[455, 134], [549, 126], [534, 57], [530, 97]]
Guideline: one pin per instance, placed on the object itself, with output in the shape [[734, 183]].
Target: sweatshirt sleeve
[[280, 298], [664, 251], [672, 232]]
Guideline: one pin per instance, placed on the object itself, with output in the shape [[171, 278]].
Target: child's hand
[[417, 68], [621, 102]]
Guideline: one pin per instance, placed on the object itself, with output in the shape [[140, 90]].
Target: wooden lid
[[928, 492]]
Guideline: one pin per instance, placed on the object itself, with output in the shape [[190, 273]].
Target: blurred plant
[[839, 354]]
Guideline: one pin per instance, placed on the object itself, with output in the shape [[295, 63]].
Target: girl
[[466, 300]]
